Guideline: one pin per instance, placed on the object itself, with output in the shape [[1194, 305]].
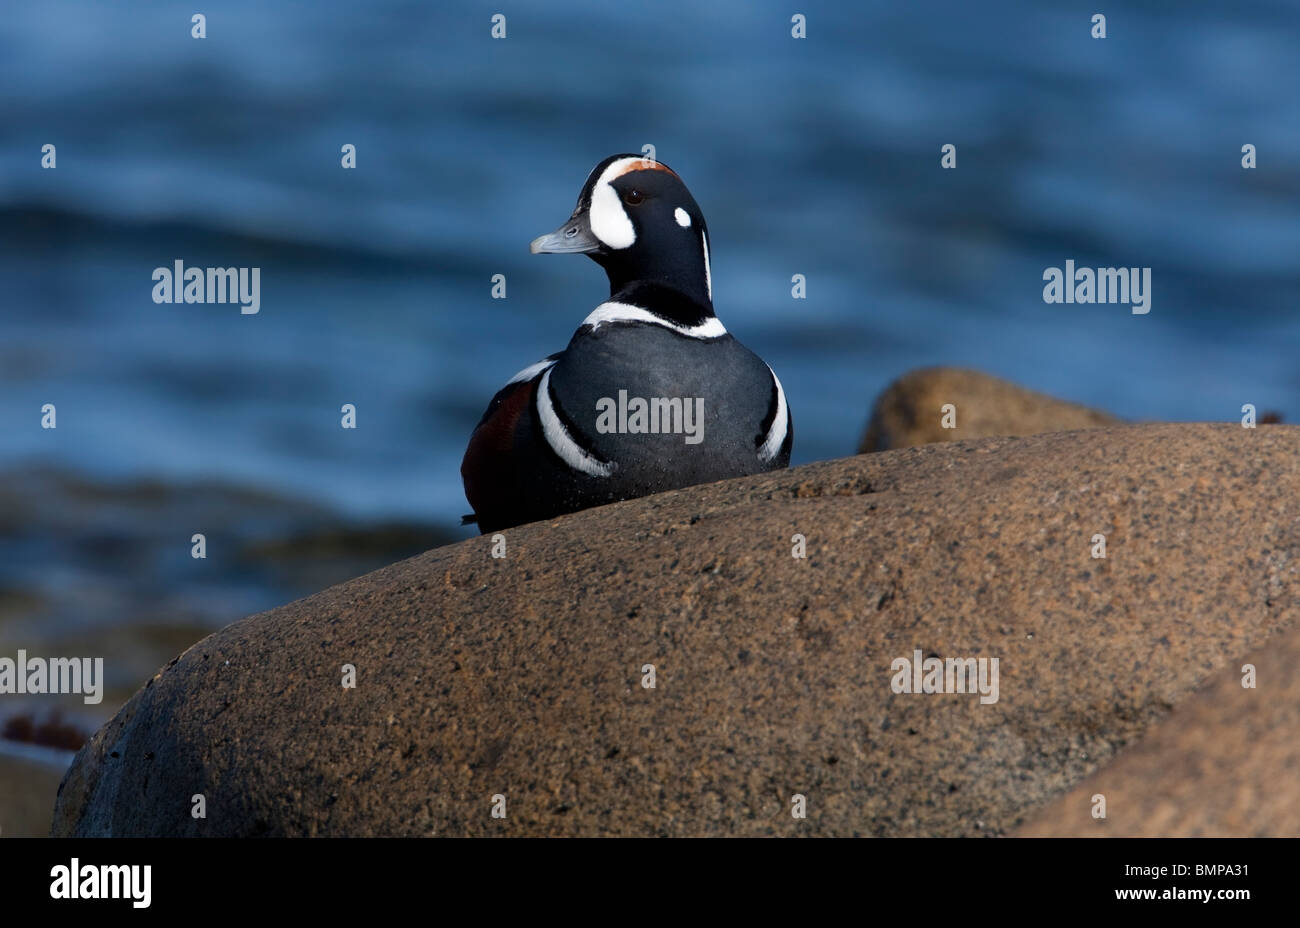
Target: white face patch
[[609, 221], [682, 217]]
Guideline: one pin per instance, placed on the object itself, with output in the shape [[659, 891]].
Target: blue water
[[816, 156]]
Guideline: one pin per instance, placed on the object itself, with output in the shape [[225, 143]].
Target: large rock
[[1226, 763], [909, 411], [522, 676]]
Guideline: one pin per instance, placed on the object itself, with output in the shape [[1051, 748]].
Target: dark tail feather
[[470, 519]]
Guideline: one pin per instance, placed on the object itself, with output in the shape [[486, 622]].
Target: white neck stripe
[[708, 274], [558, 437], [777, 431], [614, 312]]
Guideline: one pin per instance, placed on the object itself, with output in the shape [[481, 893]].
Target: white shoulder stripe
[[558, 437], [777, 431], [531, 371], [623, 312]]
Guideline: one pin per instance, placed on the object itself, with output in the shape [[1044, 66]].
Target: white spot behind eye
[[683, 218]]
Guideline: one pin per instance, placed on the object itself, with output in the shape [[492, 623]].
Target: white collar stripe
[[558, 437], [612, 312], [777, 431]]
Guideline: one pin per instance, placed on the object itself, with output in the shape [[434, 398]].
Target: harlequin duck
[[652, 392]]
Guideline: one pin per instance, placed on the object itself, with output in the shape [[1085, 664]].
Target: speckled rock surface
[[909, 411], [1226, 763], [522, 677]]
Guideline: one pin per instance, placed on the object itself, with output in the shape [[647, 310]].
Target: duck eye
[[633, 197]]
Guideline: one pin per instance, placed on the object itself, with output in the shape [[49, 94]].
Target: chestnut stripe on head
[[643, 164]]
